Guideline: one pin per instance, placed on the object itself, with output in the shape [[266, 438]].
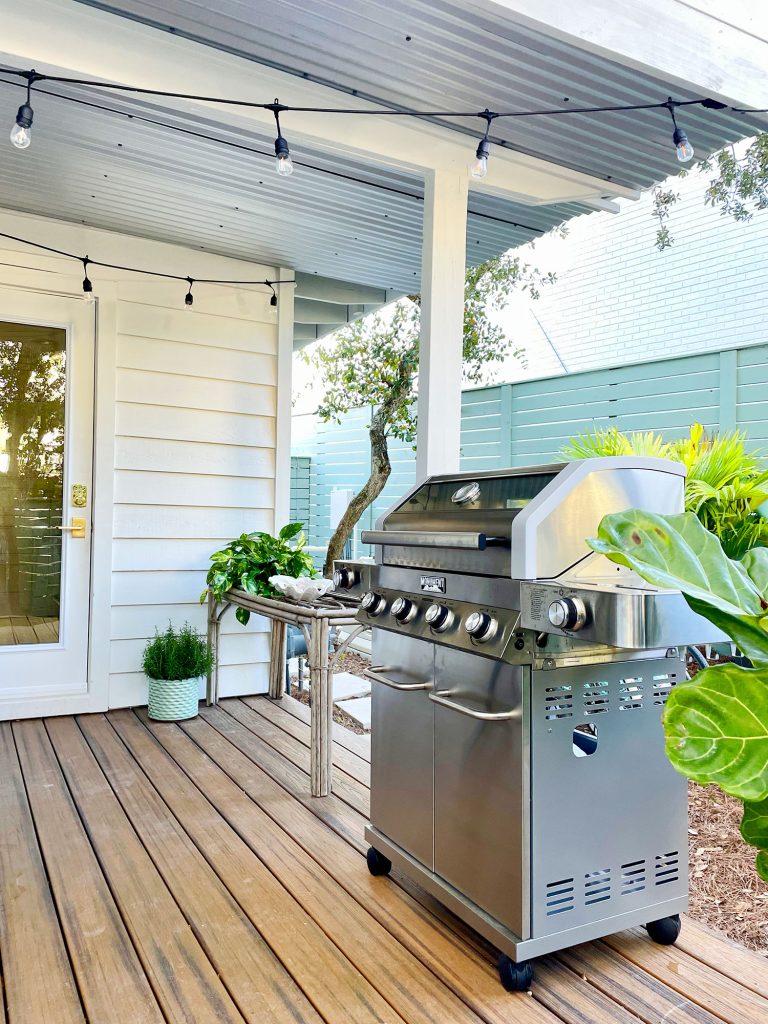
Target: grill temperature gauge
[[481, 626], [372, 603], [439, 617]]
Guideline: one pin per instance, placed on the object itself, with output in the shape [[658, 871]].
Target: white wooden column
[[442, 315], [285, 294]]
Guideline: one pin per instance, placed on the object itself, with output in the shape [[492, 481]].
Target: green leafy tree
[[373, 363], [716, 724]]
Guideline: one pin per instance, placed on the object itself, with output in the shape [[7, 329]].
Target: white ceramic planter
[[173, 700]]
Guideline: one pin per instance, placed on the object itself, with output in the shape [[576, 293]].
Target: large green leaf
[[717, 729], [754, 829], [678, 553]]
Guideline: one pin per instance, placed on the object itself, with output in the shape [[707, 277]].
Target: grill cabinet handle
[[439, 697], [375, 674], [414, 539]]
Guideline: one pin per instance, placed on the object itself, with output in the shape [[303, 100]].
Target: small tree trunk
[[369, 492]]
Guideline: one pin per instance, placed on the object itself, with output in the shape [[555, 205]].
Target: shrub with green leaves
[[177, 654], [248, 561], [716, 724]]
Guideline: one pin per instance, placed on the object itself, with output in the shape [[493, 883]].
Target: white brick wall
[[619, 300]]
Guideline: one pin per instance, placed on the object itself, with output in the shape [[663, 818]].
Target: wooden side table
[[316, 621]]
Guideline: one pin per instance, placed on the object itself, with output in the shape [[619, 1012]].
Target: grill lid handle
[[414, 539]]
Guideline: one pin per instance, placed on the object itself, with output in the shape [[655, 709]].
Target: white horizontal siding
[[194, 467]]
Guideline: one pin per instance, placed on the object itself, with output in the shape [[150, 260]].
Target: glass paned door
[[33, 361], [46, 443]]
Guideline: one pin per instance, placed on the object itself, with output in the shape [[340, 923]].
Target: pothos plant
[[248, 561], [716, 724]]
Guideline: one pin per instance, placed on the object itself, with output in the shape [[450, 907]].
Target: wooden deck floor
[[154, 873]]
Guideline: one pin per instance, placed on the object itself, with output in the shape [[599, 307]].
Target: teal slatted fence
[[528, 422]]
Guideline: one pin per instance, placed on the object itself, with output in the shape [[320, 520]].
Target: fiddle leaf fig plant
[[716, 724], [247, 562]]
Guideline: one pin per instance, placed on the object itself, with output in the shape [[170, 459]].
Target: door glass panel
[[32, 395]]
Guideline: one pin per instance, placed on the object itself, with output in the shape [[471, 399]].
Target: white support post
[[442, 321], [283, 399]]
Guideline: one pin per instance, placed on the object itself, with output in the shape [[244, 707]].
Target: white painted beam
[[442, 321], [712, 49], [73, 39], [284, 388], [327, 289]]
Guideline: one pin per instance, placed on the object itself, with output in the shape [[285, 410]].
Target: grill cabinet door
[[402, 743], [481, 829]]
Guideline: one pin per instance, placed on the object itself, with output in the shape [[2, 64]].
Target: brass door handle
[[76, 528]]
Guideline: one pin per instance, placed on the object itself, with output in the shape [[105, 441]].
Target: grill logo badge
[[433, 584]]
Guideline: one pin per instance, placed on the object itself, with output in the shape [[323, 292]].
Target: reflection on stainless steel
[[518, 767]]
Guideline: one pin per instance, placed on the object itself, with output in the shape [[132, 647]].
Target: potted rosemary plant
[[174, 663]]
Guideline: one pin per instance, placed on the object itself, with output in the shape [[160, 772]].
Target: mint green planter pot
[[173, 700]]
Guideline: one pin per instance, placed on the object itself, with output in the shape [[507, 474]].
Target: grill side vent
[[558, 702], [596, 697], [559, 896], [662, 687], [667, 867], [597, 886], [631, 693], [632, 877]]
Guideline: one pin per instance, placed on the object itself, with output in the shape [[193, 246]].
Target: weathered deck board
[[184, 980], [183, 873], [107, 969], [39, 985]]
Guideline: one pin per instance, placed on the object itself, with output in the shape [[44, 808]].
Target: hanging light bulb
[[283, 157], [683, 148], [282, 152], [479, 167], [273, 300], [189, 298], [21, 132], [682, 145], [88, 295]]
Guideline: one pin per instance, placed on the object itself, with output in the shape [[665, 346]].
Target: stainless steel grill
[[518, 766]]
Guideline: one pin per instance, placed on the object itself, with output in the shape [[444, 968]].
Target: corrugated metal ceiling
[[452, 54]]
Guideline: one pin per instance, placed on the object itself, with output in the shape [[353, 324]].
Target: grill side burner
[[518, 768]]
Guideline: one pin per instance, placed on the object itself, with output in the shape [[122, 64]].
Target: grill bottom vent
[[559, 896]]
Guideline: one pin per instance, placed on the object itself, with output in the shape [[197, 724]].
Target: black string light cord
[[190, 281], [284, 162]]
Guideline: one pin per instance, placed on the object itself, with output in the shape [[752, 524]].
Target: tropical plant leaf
[[754, 829], [290, 530], [717, 729], [242, 615], [678, 553]]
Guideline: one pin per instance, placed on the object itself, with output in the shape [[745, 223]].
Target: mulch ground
[[725, 890]]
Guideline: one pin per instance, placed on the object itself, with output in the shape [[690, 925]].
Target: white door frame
[[96, 697]]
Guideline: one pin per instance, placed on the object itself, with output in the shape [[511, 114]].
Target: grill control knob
[[481, 626], [373, 603], [439, 617], [568, 613], [403, 609], [345, 579]]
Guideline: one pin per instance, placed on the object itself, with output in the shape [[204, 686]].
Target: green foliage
[[663, 201], [741, 185], [182, 654], [724, 487], [375, 361], [716, 724], [247, 562]]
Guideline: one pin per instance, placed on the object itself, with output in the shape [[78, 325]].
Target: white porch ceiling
[[465, 55]]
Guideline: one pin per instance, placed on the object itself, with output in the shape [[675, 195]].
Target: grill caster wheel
[[664, 931], [378, 864], [515, 977]]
